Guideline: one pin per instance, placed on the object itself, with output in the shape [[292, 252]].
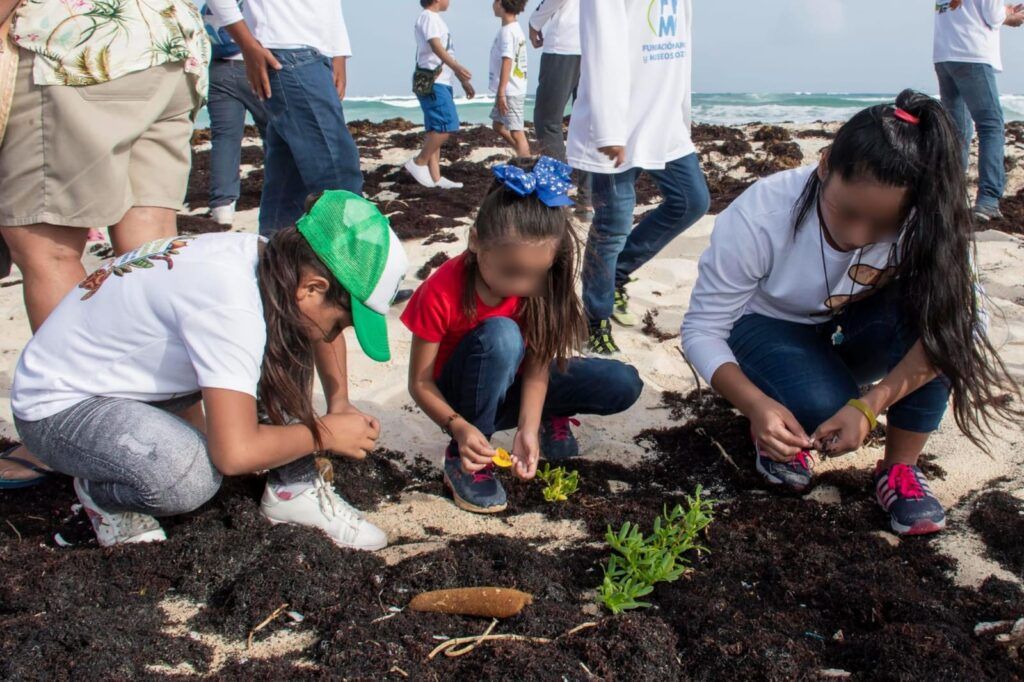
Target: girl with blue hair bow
[[496, 332]]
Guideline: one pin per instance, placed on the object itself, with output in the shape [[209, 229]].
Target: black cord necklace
[[837, 337]]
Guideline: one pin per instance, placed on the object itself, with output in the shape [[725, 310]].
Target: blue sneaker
[[794, 476], [903, 491], [480, 493], [557, 441]]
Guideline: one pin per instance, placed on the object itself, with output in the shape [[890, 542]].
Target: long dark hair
[[935, 272], [286, 382], [553, 323]]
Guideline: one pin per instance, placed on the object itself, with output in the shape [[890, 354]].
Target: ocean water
[[721, 108]]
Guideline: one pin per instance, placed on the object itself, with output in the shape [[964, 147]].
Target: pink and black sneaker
[[557, 441], [793, 476], [903, 491]]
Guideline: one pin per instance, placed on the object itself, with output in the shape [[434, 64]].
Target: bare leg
[[521, 144], [903, 447], [504, 132], [431, 154], [141, 225]]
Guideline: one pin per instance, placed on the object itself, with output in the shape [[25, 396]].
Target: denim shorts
[[439, 112]]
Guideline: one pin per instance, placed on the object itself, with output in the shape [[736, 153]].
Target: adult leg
[[141, 225], [977, 84], [687, 199], [227, 128], [50, 260], [559, 76], [282, 184], [955, 106], [614, 199]]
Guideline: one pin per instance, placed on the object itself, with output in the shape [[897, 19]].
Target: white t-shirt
[[430, 25], [510, 44], [559, 22], [969, 33], [163, 321], [635, 84], [757, 264], [319, 24]]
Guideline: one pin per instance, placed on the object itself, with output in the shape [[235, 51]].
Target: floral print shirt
[[84, 42]]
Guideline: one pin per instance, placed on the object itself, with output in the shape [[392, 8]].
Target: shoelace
[[805, 459], [560, 428], [904, 482], [332, 504], [484, 475]]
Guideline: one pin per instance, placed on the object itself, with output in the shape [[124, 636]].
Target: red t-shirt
[[435, 312]]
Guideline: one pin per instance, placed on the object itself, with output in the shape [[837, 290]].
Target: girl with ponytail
[[854, 272]]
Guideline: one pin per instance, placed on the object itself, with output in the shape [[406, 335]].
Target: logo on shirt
[[144, 258], [951, 6], [663, 18]]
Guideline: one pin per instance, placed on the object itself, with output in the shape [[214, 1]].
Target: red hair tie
[[904, 115]]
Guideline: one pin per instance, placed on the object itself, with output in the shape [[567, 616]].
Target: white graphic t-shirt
[[430, 25], [969, 31], [166, 320], [509, 44]]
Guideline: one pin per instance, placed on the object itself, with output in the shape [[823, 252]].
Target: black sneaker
[[601, 341], [557, 441], [620, 311], [480, 493], [985, 213], [794, 476], [903, 491]]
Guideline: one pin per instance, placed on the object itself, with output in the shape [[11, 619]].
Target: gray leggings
[[137, 456]]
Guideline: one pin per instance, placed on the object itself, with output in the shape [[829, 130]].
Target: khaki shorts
[[82, 156]]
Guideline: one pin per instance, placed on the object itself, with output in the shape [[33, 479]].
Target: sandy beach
[[760, 603]]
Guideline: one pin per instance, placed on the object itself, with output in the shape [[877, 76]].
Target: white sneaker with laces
[[445, 183], [320, 506], [420, 174], [118, 528], [223, 215]]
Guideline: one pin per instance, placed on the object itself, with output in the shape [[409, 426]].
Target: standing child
[[112, 390], [494, 331], [633, 116], [884, 221], [508, 76], [432, 84]]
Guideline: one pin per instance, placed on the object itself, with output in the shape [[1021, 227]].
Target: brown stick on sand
[[486, 602]]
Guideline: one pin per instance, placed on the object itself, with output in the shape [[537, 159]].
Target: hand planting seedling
[[560, 485], [502, 458], [640, 562]]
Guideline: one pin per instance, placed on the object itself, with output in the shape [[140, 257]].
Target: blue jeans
[[614, 252], [797, 365], [970, 95], [308, 146], [480, 380], [230, 97]]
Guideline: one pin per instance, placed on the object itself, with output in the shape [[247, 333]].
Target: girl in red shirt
[[495, 332]]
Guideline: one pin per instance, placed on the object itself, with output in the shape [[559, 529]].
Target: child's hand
[[526, 453], [502, 104], [352, 434], [777, 431], [474, 448], [470, 90], [844, 432]]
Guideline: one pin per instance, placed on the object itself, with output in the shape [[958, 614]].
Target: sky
[[782, 46]]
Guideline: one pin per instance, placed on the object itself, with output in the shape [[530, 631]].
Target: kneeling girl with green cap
[[143, 383]]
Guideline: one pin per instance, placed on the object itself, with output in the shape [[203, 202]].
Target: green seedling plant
[[639, 562], [559, 484]]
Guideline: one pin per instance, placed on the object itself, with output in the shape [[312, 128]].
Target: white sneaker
[[420, 174], [322, 507], [445, 183], [223, 215], [118, 528]]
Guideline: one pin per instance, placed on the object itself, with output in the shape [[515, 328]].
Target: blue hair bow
[[550, 180]]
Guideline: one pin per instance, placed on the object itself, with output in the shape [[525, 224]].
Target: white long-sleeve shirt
[[969, 33], [635, 86], [757, 264], [289, 24], [559, 21]]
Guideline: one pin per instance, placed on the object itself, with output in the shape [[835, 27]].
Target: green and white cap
[[356, 243]]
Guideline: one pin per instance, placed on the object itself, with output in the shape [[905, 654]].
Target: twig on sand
[[725, 455], [696, 377], [266, 621], [14, 529], [454, 647]]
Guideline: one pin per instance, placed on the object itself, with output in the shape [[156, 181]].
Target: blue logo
[[665, 12]]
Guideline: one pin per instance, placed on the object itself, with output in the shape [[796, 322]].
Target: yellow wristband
[[866, 410]]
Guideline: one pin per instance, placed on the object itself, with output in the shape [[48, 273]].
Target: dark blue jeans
[[480, 380], [970, 95], [614, 249], [308, 146], [797, 365], [230, 97]]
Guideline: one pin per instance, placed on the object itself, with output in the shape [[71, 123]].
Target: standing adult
[[967, 59], [555, 27], [296, 55]]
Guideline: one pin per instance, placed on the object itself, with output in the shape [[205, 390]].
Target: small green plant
[[638, 562], [560, 485]]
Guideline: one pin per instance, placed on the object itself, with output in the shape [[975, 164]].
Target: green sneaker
[[620, 313], [601, 341]]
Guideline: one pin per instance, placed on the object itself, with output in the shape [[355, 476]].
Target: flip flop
[[16, 483]]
